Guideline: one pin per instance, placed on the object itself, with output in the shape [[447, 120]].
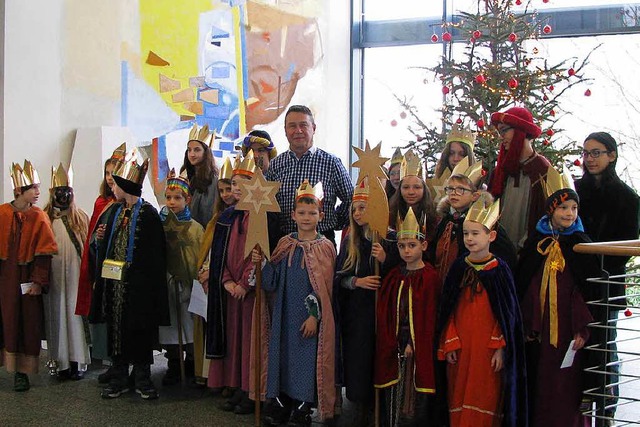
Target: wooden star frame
[[370, 164]]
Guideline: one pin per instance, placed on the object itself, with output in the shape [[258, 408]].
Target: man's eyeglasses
[[504, 130], [458, 191], [594, 153]]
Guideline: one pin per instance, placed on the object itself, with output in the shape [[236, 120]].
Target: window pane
[[377, 10]]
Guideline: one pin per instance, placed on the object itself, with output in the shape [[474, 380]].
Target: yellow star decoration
[[436, 185], [177, 237], [258, 197], [370, 162], [555, 265]]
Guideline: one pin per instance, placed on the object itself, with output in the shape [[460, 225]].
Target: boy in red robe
[[26, 247], [406, 314]]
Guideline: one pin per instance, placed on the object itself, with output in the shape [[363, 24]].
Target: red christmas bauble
[[480, 79], [518, 2], [446, 36], [459, 120], [628, 312], [480, 123], [546, 29], [445, 89], [571, 72], [553, 113], [550, 132], [513, 83], [545, 98], [545, 1], [394, 123], [551, 88], [513, 37], [577, 162], [419, 138], [434, 38], [403, 115], [587, 92], [477, 34], [545, 142]]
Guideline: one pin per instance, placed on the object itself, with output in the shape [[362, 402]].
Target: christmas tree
[[498, 66]]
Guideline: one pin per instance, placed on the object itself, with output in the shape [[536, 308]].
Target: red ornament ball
[[587, 92], [518, 2], [403, 115], [446, 36], [553, 113], [545, 142], [628, 312], [545, 98], [550, 132], [419, 138], [513, 83], [480, 123], [571, 72], [513, 37], [459, 120], [577, 162], [547, 29], [477, 34], [445, 90], [394, 123], [545, 1], [434, 38], [551, 88], [480, 79]]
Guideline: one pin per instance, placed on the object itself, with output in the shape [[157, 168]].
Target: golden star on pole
[[258, 197], [370, 163], [436, 185]]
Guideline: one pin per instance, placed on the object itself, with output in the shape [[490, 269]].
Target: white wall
[[62, 72]]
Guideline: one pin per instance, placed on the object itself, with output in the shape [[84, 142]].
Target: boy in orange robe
[[480, 331]]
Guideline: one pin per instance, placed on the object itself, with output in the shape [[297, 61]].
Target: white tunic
[[66, 340]]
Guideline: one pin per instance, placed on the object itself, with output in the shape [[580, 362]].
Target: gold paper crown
[[473, 172], [246, 166], [361, 192], [396, 159], [411, 165], [130, 170], [555, 181], [60, 177], [202, 135], [485, 215], [410, 227], [308, 190], [226, 172], [24, 176], [463, 135]]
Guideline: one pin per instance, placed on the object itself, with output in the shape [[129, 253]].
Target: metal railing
[[618, 343]]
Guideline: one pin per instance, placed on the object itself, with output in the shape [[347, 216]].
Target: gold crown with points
[[308, 190], [119, 153], [485, 215], [555, 181], [131, 170], [473, 172], [60, 177], [411, 165], [226, 171], [463, 135], [202, 135], [410, 227], [397, 157], [246, 166], [361, 192], [24, 176]]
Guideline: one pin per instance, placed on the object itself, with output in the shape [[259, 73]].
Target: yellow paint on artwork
[[239, 73], [171, 30]]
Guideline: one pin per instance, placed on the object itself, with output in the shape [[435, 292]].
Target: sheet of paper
[[25, 287], [198, 303], [568, 358]]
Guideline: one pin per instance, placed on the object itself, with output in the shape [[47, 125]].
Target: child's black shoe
[[301, 415], [277, 412]]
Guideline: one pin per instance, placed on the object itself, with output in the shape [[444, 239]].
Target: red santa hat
[[519, 118]]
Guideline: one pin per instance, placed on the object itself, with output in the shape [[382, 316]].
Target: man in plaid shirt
[[304, 161]]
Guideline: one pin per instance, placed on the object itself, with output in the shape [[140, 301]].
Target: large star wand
[[377, 212], [258, 197]]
